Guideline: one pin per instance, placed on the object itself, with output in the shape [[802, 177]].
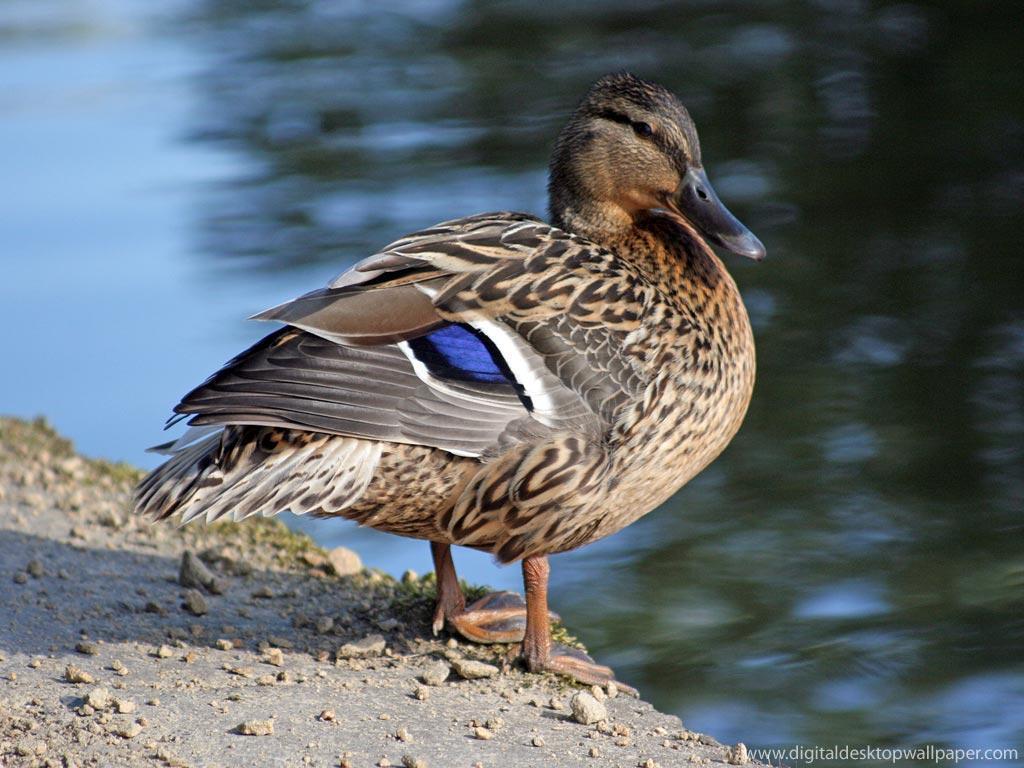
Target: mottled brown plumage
[[495, 381]]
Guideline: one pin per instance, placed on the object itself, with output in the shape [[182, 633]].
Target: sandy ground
[[106, 659]]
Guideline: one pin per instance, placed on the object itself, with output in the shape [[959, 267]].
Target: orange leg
[[499, 617], [539, 653]]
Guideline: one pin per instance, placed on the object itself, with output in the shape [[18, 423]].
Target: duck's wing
[[469, 336]]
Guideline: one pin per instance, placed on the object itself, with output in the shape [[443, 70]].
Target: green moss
[[33, 437], [119, 472]]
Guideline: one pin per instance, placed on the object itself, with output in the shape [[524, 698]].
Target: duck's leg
[[539, 652], [499, 617]]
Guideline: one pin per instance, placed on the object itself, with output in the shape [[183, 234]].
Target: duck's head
[[629, 148]]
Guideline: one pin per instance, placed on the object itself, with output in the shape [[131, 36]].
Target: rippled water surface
[[851, 570]]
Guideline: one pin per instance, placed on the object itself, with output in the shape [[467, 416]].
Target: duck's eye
[[643, 129]]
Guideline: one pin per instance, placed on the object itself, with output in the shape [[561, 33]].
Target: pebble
[[586, 709], [328, 716], [35, 569], [402, 734], [164, 652], [324, 625], [87, 648], [344, 562], [538, 741], [435, 673], [408, 761], [422, 693], [98, 698], [255, 728], [263, 593], [594, 752], [483, 733], [75, 675], [371, 645], [124, 706], [20, 577], [225, 645], [274, 657], [195, 603], [129, 731], [738, 755], [469, 669], [194, 573]]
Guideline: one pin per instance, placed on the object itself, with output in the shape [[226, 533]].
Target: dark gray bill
[[695, 199]]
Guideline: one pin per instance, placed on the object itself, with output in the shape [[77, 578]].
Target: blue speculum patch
[[461, 353]]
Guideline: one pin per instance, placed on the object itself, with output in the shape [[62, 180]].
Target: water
[[851, 570]]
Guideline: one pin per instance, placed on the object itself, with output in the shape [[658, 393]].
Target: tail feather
[[243, 471]]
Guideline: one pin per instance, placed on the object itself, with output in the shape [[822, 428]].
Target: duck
[[496, 381]]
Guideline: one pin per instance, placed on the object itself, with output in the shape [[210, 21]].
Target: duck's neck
[[667, 251]]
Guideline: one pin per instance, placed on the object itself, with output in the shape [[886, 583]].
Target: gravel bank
[[263, 656]]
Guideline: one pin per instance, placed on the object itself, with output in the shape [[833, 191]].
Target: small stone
[[164, 652], [266, 680], [383, 763], [87, 648], [152, 702], [98, 698], [598, 692], [556, 704], [195, 603], [344, 562], [612, 689], [408, 761], [483, 733], [124, 706], [538, 741], [469, 669], [35, 569], [371, 645], [20, 577], [195, 574], [435, 673], [274, 657], [328, 716], [586, 709], [255, 728], [129, 731], [402, 734], [648, 763], [75, 675], [738, 755], [389, 624], [313, 558], [324, 625], [422, 693], [594, 752], [35, 664], [224, 645], [264, 593]]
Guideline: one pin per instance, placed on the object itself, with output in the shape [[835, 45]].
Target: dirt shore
[[264, 656]]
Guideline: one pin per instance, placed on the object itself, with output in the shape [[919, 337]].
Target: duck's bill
[[696, 201]]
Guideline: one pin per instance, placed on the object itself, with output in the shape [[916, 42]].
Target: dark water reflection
[[852, 569]]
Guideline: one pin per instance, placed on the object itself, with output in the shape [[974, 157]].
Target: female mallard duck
[[497, 382]]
